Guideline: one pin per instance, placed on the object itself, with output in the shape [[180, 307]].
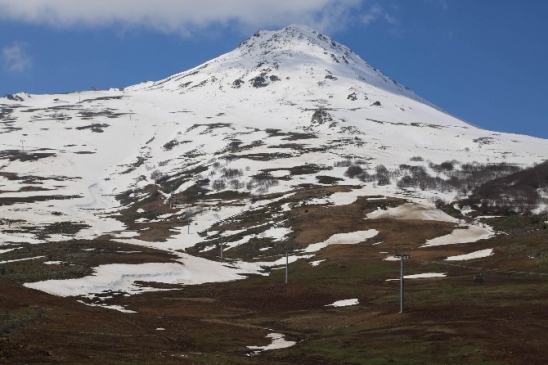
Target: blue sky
[[483, 61]]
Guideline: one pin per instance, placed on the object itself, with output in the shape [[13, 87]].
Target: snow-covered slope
[[298, 66], [281, 109]]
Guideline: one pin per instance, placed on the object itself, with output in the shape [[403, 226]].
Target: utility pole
[[188, 220], [221, 246], [402, 280], [23, 145], [287, 265]]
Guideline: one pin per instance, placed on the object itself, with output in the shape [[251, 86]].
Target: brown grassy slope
[[447, 321]]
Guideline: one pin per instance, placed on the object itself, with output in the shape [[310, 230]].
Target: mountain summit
[[299, 66], [298, 42], [294, 49], [298, 47]]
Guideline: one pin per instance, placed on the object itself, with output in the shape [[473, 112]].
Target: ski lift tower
[[221, 244], [287, 251], [402, 280]]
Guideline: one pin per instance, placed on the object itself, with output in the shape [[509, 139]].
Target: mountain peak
[[299, 39], [295, 52], [295, 32]]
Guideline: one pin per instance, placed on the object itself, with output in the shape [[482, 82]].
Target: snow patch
[[278, 342], [316, 263], [472, 255], [344, 303], [412, 211], [9, 250], [25, 259], [462, 235], [53, 263], [343, 239], [426, 275], [118, 308]]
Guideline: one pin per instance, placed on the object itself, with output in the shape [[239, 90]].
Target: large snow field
[[97, 177], [188, 270]]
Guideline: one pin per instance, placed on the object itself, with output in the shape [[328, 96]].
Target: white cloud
[[375, 13], [180, 16], [15, 58], [372, 15], [391, 19]]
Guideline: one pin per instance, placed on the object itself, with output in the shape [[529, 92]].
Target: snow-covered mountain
[[285, 109]]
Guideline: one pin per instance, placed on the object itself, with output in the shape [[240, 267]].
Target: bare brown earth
[[449, 320]]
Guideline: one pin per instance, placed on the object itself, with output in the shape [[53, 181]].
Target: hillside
[[520, 192], [175, 205]]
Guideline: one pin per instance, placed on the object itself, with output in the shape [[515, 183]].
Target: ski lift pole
[[402, 281], [221, 245], [287, 265], [287, 250]]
